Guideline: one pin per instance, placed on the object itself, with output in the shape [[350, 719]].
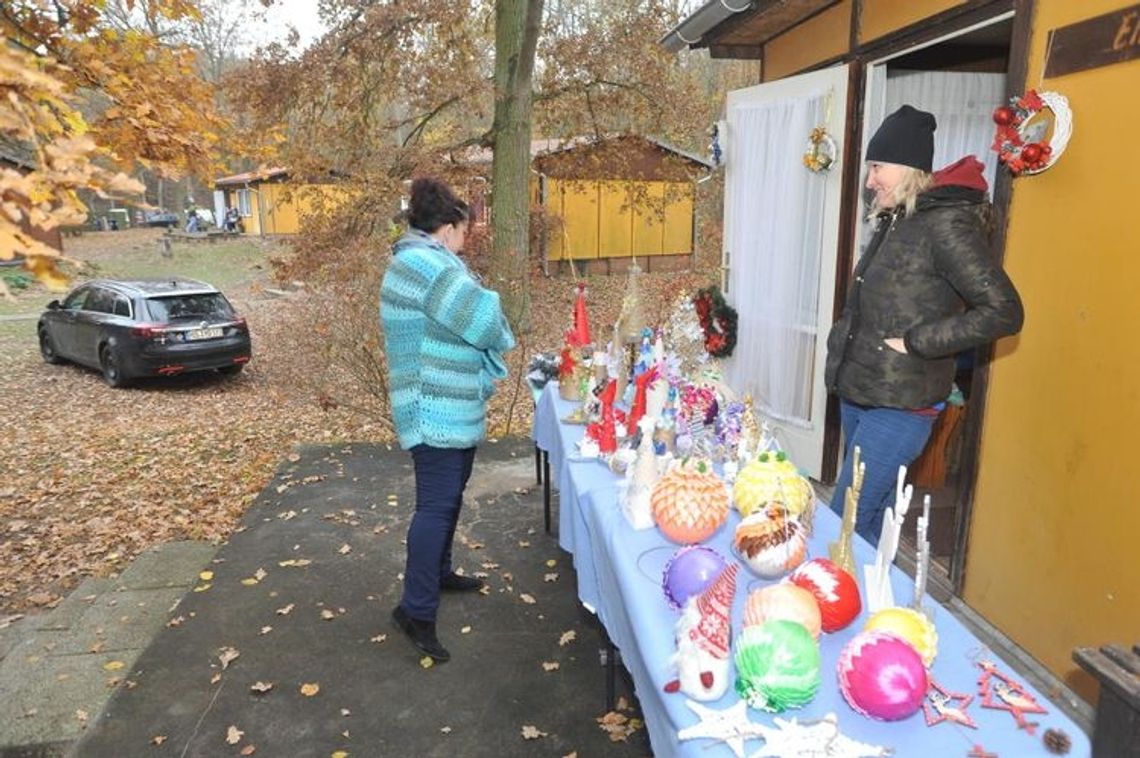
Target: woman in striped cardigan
[[444, 336]]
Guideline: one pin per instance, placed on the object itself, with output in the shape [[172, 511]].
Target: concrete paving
[[57, 670], [286, 647]]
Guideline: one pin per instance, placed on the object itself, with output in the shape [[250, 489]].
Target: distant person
[[444, 337], [925, 289], [192, 221], [231, 219]]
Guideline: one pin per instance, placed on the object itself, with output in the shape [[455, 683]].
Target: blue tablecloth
[[619, 578]]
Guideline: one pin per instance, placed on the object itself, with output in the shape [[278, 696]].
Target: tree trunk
[[517, 25]]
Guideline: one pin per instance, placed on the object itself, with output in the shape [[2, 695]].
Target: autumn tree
[[88, 102]]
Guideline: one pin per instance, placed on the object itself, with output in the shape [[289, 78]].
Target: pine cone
[[1057, 742]]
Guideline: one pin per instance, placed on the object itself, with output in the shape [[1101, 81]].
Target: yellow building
[[1044, 519], [618, 198], [268, 202]]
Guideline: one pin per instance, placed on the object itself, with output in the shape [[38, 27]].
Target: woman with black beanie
[[925, 289]]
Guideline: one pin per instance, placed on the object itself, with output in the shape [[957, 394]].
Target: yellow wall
[[824, 36], [611, 219], [881, 17], [1053, 557]]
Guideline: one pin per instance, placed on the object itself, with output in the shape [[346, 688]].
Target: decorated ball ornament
[[783, 602], [882, 676], [777, 666], [1032, 131], [833, 588], [689, 572], [909, 624], [772, 478], [689, 502], [821, 151], [770, 542]]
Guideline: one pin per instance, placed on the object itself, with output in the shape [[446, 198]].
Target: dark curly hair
[[433, 205]]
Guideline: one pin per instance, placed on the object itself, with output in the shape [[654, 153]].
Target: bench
[[1117, 730]]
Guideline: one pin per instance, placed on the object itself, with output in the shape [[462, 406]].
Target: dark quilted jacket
[[930, 279]]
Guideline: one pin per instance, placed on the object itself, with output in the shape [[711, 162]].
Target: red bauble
[[834, 589], [1031, 153], [1004, 116]]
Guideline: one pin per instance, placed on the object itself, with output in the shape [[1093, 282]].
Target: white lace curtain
[[775, 226]]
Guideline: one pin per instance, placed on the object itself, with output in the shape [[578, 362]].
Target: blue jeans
[[887, 438], [441, 477]]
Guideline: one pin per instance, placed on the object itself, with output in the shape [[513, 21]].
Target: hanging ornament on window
[[1032, 131], [821, 151]]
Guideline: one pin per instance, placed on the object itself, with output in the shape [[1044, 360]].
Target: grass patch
[[225, 265], [20, 331], [222, 264]]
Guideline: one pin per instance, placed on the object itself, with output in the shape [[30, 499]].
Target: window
[[245, 204], [100, 301], [122, 306], [76, 299], [207, 305]]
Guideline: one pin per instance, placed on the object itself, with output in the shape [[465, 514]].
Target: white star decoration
[[812, 739], [730, 725]]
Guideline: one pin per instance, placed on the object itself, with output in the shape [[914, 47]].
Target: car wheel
[[47, 348], [112, 370], [231, 370]]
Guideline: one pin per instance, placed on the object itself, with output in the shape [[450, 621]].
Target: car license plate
[[204, 334]]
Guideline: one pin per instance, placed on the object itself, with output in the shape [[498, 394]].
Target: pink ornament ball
[[835, 590], [882, 676]]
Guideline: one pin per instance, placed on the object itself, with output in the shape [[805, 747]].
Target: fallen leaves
[[226, 656], [528, 599], [309, 689], [158, 739], [285, 611], [532, 733], [618, 726], [567, 637], [550, 577], [113, 665], [379, 638], [427, 662], [294, 563], [248, 750], [551, 665], [233, 735], [261, 687]]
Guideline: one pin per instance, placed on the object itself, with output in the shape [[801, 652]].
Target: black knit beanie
[[906, 137]]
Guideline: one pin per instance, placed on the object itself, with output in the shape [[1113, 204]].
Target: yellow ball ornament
[[911, 626]]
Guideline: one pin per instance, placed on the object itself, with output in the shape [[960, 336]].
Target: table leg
[[537, 463], [611, 676], [546, 489]]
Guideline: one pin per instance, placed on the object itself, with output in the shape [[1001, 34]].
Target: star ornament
[[943, 705], [729, 725], [814, 739], [1003, 693]]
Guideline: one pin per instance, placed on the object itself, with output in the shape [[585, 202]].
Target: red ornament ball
[[834, 589], [1031, 153], [1004, 116]]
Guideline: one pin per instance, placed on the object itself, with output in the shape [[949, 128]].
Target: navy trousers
[[887, 438], [441, 477]]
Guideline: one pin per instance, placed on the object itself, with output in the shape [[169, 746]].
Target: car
[[142, 328], [162, 218]]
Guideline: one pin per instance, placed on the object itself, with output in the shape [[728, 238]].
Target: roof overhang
[[740, 28]]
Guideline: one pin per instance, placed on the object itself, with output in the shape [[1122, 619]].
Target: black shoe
[[454, 582], [422, 635]]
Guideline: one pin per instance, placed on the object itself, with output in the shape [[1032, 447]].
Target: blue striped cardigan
[[444, 337]]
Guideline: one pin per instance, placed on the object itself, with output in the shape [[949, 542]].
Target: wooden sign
[[1094, 42]]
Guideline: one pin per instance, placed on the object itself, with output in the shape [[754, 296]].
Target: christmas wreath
[[1021, 142], [718, 322]]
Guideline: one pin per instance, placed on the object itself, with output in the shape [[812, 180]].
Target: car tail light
[[149, 331], [240, 324]]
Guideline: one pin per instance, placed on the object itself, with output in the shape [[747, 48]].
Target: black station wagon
[[132, 329]]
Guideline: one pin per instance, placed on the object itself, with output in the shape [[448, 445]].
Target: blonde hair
[[914, 182]]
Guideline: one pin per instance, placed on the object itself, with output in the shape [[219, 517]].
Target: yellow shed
[[617, 198], [268, 201]]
